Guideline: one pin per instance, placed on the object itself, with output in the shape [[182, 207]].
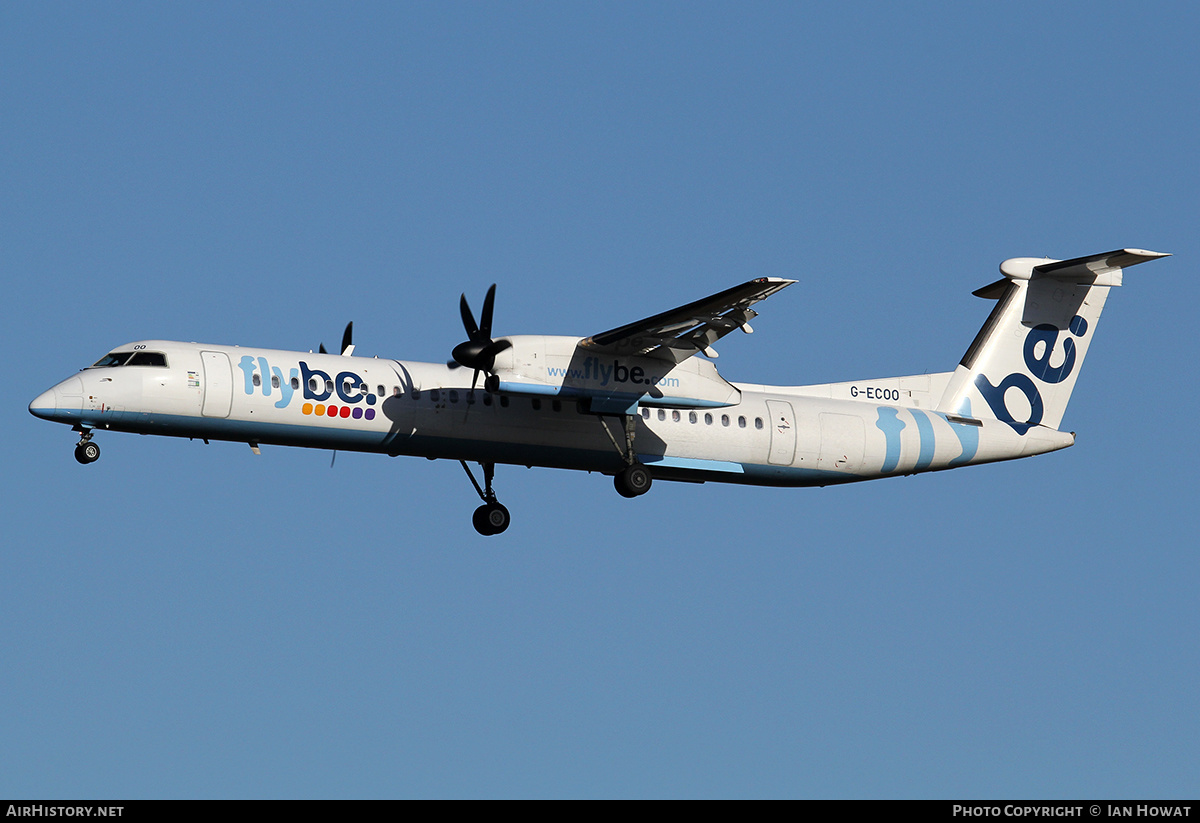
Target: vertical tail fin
[[1022, 365]]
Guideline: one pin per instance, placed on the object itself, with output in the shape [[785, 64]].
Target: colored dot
[[345, 411], [331, 411], [306, 408], [319, 410], [357, 413], [370, 415], [1078, 326], [370, 400]]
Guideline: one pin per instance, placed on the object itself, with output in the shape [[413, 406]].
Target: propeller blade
[[468, 319], [489, 303], [494, 348], [321, 349], [347, 346]]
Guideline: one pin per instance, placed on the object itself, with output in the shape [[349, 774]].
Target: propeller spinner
[[479, 350]]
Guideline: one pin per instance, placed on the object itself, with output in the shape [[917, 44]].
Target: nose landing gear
[[492, 517], [86, 451]]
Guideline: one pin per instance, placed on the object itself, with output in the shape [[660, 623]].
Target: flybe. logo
[[1038, 351], [315, 385], [603, 373]]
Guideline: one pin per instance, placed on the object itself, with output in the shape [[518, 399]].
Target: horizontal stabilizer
[[992, 291], [1097, 269]]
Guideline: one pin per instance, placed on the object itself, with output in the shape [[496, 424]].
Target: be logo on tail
[[1040, 356]]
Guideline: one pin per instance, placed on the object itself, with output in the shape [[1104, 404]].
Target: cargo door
[[842, 443]]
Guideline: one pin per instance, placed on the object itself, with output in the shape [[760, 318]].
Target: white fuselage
[[765, 435]]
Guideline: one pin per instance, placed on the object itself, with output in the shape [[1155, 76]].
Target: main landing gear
[[634, 480], [492, 517], [86, 451]]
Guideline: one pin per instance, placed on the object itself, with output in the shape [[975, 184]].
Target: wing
[[677, 334]]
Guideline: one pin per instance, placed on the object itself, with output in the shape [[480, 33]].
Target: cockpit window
[[129, 358], [148, 358], [116, 358]]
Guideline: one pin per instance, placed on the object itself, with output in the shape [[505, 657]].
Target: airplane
[[637, 402]]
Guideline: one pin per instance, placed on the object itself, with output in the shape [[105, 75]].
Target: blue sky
[[190, 621]]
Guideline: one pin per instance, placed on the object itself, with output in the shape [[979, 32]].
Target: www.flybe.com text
[[616, 372]]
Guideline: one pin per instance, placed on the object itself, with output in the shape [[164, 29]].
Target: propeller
[[347, 345], [479, 350]]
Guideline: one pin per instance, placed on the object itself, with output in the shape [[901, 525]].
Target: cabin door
[[782, 422], [218, 384]]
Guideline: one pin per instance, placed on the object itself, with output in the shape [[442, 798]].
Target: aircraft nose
[[44, 405], [62, 403]]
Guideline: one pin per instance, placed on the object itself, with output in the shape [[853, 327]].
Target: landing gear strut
[[491, 517], [86, 451], [633, 480]]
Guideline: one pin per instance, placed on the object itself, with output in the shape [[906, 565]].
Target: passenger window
[[295, 383], [312, 385], [741, 422], [675, 416], [453, 396], [662, 415], [646, 414], [724, 420], [257, 379], [691, 417], [758, 424], [556, 404], [537, 404], [329, 386], [707, 419], [434, 394], [274, 381], [487, 399], [504, 402]]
